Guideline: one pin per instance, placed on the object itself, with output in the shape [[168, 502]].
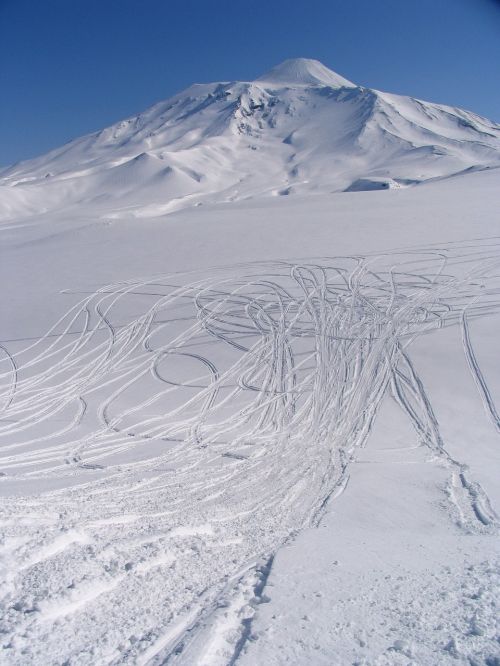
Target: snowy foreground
[[292, 459]]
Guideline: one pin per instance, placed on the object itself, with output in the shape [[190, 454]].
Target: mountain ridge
[[299, 128]]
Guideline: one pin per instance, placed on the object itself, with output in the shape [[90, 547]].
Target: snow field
[[178, 448]]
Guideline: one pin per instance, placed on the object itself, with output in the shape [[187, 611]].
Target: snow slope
[[289, 460], [263, 430], [300, 128]]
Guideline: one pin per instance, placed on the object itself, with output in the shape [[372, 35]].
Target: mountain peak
[[305, 72], [292, 131]]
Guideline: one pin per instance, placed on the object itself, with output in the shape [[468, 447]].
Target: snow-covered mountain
[[299, 128], [254, 432]]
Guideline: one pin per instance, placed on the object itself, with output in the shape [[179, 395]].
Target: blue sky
[[69, 67]]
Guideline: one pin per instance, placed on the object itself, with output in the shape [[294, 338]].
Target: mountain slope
[[299, 128]]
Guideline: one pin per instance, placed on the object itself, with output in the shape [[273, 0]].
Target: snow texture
[[263, 430]]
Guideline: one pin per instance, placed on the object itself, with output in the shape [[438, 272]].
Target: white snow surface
[[264, 430], [306, 72]]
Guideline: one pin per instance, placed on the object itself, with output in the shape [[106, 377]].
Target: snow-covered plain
[[263, 430]]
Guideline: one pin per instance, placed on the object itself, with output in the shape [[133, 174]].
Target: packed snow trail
[[179, 430]]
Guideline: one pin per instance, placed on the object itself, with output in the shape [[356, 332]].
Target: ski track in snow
[[178, 448]]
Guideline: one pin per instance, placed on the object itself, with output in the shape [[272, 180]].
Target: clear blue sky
[[69, 67]]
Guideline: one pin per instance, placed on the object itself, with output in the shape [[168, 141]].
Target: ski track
[[181, 448]]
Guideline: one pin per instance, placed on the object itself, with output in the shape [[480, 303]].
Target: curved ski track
[[179, 448]]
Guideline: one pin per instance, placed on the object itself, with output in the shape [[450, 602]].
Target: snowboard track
[[181, 447]]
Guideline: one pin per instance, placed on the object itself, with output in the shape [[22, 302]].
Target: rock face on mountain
[[300, 128]]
